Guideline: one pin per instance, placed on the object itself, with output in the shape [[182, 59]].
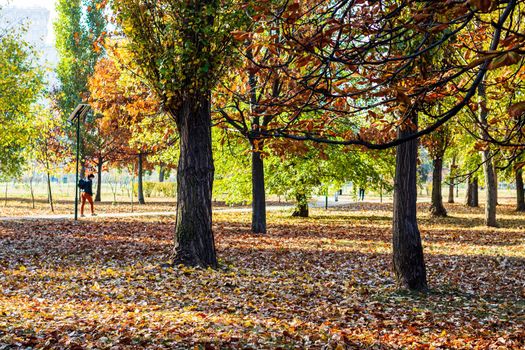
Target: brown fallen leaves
[[322, 282]]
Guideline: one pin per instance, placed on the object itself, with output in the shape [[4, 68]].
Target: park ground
[[324, 282]]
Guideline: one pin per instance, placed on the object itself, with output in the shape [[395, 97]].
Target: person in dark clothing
[[87, 195]]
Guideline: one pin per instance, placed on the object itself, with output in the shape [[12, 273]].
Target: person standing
[[87, 194]]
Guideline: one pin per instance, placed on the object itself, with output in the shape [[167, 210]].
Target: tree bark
[[495, 170], [491, 192], [161, 173], [488, 167], [32, 191], [98, 195], [437, 208], [408, 261], [520, 195], [194, 241], [301, 208], [258, 194], [472, 192], [49, 193], [451, 181], [140, 187]]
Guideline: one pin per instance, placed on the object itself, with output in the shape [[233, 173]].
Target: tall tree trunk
[[194, 241], [301, 208], [520, 196], [258, 194], [488, 167], [140, 187], [452, 181], [98, 196], [50, 193], [162, 171], [437, 208], [409, 264], [491, 192], [495, 170], [474, 193]]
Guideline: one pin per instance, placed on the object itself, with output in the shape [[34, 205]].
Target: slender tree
[[520, 197]]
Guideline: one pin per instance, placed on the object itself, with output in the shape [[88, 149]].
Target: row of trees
[[378, 74], [320, 91]]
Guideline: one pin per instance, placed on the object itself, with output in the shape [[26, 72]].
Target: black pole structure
[[79, 113]]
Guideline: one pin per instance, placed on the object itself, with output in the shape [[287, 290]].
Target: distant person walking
[[86, 186], [361, 194]]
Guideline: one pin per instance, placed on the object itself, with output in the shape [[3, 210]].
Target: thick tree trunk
[[520, 195], [258, 194], [98, 195], [437, 208], [451, 181], [301, 209], [472, 192], [162, 171], [140, 187], [409, 264], [495, 170], [194, 241], [488, 166], [475, 192]]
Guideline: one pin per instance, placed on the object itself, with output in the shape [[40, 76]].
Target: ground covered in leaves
[[320, 283]]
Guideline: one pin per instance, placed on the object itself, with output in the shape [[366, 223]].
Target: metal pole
[[78, 156]]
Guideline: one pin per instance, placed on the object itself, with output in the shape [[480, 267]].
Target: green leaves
[[21, 85]]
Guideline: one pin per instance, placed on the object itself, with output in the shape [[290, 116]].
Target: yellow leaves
[[318, 281], [95, 287]]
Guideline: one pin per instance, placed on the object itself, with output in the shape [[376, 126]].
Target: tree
[[366, 57], [437, 144], [48, 148], [129, 129], [21, 86], [182, 49], [520, 196], [79, 30], [451, 179], [109, 97]]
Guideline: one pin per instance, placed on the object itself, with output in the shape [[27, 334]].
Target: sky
[[49, 4]]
